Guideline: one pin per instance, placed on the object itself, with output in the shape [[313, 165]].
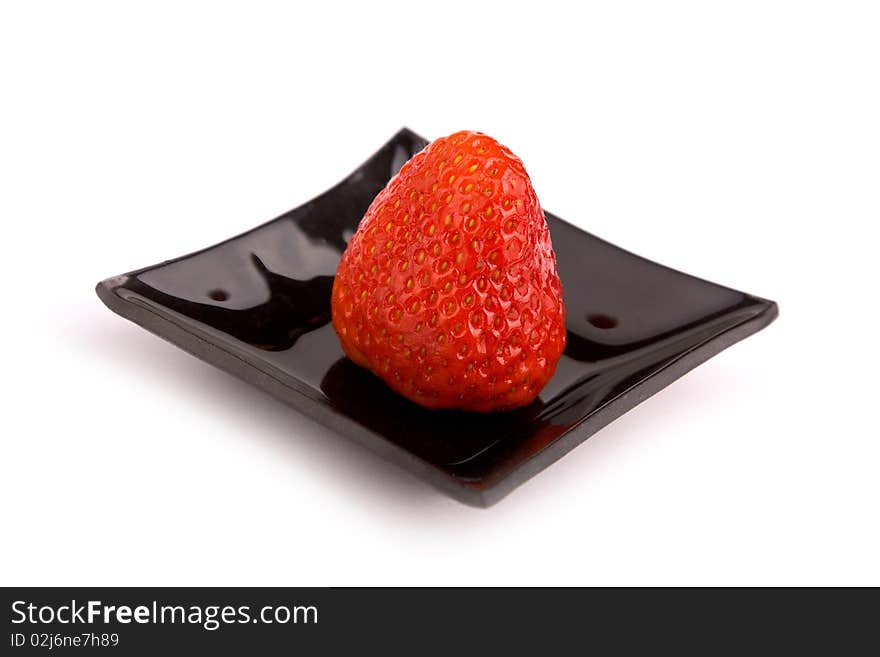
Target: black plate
[[258, 306]]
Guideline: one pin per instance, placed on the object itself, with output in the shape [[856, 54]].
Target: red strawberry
[[448, 290]]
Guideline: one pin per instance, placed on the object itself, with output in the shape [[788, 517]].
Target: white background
[[737, 141]]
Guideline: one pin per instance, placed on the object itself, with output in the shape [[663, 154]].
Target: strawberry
[[448, 291]]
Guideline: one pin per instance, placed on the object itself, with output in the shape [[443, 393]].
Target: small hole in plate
[[601, 321], [218, 295]]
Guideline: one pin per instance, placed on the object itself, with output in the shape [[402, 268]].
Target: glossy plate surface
[[258, 306]]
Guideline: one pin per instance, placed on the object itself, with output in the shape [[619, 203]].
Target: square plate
[[258, 306]]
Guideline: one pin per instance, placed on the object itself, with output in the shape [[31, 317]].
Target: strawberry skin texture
[[448, 291]]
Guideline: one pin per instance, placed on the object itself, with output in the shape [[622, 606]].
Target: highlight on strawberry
[[448, 291]]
